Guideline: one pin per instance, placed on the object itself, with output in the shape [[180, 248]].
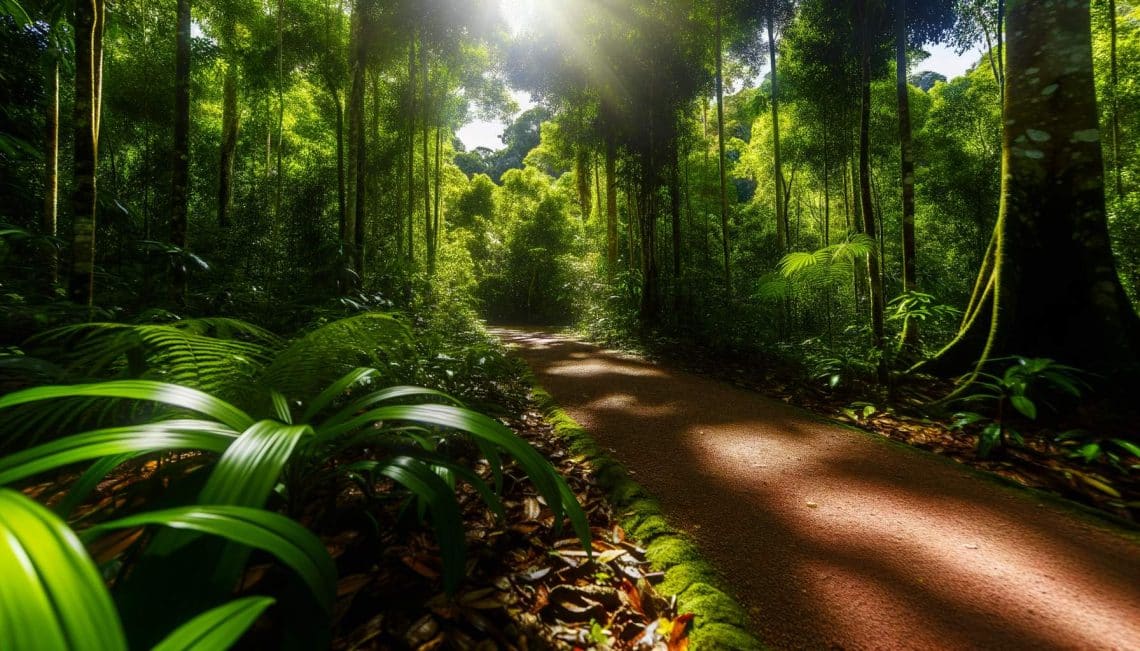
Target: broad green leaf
[[217, 628], [545, 478], [281, 407], [291, 543], [419, 478], [51, 594], [353, 377], [167, 435], [1025, 406], [383, 395], [251, 466], [149, 390]]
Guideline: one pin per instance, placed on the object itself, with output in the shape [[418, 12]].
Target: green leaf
[[217, 628], [251, 466], [545, 478], [419, 478], [383, 395], [166, 435], [149, 390], [353, 377], [51, 593], [291, 543], [281, 407], [1025, 406]]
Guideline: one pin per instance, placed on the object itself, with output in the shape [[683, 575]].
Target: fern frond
[[371, 340]]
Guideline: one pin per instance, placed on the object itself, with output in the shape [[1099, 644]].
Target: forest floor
[[834, 538]]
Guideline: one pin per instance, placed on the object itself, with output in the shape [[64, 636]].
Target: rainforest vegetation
[[246, 262]]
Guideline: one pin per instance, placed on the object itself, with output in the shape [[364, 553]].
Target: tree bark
[[1049, 286], [1115, 108], [356, 134], [438, 196], [89, 18], [906, 157], [611, 207], [411, 149], [428, 235], [720, 144], [230, 125], [869, 226], [782, 239], [50, 218], [180, 183]]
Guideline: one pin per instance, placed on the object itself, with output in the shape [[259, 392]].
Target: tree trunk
[[720, 144], [906, 147], [50, 216], [582, 178], [180, 190], [874, 275], [675, 215], [356, 134], [428, 235], [411, 149], [611, 207], [89, 17], [230, 120], [782, 238], [1115, 109], [1049, 287], [341, 173], [438, 197]]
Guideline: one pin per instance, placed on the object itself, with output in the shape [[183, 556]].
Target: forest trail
[[833, 538]]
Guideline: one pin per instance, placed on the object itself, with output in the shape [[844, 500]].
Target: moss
[[626, 492], [652, 527], [668, 551], [680, 577], [719, 620], [717, 636], [715, 605]]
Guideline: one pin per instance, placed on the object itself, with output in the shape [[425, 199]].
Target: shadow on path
[[833, 538]]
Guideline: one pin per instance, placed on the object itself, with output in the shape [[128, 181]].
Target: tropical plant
[[349, 431], [1022, 388]]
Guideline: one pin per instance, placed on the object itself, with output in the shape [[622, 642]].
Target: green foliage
[[55, 598], [272, 463], [1023, 387]]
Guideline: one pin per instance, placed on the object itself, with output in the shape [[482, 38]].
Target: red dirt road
[[833, 538]]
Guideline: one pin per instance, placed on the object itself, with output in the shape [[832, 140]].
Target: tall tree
[[357, 154], [180, 178], [89, 21], [1049, 286], [720, 145]]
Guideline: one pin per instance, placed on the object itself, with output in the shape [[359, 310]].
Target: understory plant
[[218, 475], [1023, 388]]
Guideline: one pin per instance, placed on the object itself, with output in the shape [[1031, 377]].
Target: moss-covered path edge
[[719, 620]]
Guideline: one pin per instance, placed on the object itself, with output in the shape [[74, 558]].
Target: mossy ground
[[720, 621]]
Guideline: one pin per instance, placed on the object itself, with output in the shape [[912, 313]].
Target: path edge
[[720, 622]]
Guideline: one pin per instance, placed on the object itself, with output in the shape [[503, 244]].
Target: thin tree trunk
[[906, 147], [869, 227], [179, 193], [341, 173], [611, 207], [1115, 108], [582, 178], [438, 195], [782, 238], [428, 235], [50, 217], [356, 141], [411, 149], [720, 144], [230, 125], [89, 17]]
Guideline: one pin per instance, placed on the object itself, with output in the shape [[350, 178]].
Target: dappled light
[[812, 522], [300, 300]]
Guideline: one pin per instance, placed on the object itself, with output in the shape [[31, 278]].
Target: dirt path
[[835, 539]]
